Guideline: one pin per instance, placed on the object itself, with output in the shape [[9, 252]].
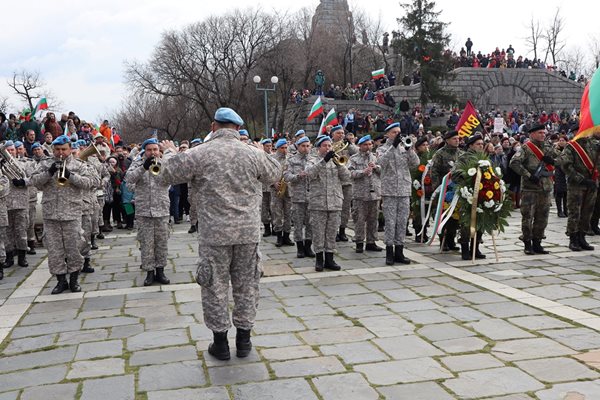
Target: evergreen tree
[[422, 40]]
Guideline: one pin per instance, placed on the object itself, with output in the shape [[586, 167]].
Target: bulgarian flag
[[589, 119], [316, 109], [330, 119], [380, 73], [41, 105]]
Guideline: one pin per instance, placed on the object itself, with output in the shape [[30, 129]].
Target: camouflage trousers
[[2, 241], [300, 216], [63, 239], [31, 221], [86, 226], [346, 205], [395, 212], [580, 206], [193, 207], [217, 265], [535, 208], [265, 208], [153, 234], [16, 234], [99, 216], [366, 220], [325, 226], [281, 211]]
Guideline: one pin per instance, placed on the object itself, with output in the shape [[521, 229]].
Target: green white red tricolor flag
[[330, 119], [41, 105], [380, 73], [589, 117], [316, 109], [468, 121]]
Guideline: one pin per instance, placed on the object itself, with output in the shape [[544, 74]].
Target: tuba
[[92, 150], [338, 148]]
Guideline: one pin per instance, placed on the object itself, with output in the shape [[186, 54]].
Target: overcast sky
[[80, 46]]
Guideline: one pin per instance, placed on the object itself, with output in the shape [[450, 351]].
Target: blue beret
[[227, 115], [149, 141], [81, 142], [75, 145], [365, 138], [265, 141], [18, 144], [62, 139], [302, 140], [322, 139], [280, 143], [392, 126], [337, 128], [243, 132], [197, 140], [9, 143], [35, 145], [300, 132]]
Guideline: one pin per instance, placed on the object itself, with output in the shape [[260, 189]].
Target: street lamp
[[265, 90]]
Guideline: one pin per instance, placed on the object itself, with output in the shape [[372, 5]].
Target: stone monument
[[333, 17]]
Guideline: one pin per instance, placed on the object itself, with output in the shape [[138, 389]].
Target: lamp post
[[266, 90]]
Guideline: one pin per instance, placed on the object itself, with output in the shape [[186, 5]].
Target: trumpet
[[338, 158], [407, 142], [155, 167], [62, 179], [10, 167]]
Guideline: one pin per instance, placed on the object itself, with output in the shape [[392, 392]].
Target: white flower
[[471, 171], [484, 163], [451, 163], [479, 210], [498, 171], [416, 184], [488, 204], [470, 199], [498, 208]]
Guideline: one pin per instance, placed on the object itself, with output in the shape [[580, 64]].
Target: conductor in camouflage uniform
[[325, 199], [536, 188], [151, 211], [228, 174], [578, 161], [337, 138], [296, 175], [281, 205], [62, 208], [4, 188], [366, 191], [441, 163]]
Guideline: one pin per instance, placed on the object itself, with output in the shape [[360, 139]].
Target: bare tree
[[594, 48], [536, 34], [554, 41], [572, 60], [30, 87], [4, 104]]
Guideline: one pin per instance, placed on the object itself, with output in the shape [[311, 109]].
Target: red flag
[[468, 121]]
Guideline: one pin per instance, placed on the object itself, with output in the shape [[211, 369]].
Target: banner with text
[[468, 121]]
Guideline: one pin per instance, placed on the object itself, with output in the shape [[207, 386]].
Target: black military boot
[[73, 284], [300, 249], [319, 262], [243, 345], [399, 255], [574, 242], [536, 246], [451, 243], [160, 277], [286, 239], [342, 235], [389, 255], [219, 348], [86, 266], [308, 249], [149, 278], [373, 247], [21, 258], [360, 247], [478, 254], [31, 247], [279, 239], [583, 243], [267, 232], [62, 284], [93, 242], [464, 251], [193, 229], [100, 235], [330, 262], [1, 271], [10, 259]]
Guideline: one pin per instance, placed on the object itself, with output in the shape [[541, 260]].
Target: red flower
[[427, 180], [421, 168]]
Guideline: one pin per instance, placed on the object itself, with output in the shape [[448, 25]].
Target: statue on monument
[[386, 42]]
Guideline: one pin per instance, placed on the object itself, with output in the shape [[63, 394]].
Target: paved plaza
[[526, 327]]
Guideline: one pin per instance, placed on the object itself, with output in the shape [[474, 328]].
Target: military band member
[[395, 162], [337, 138], [151, 210], [62, 206], [366, 189], [536, 188], [192, 194], [325, 202], [28, 165], [293, 147], [296, 176], [98, 163], [422, 150], [265, 207], [226, 172], [281, 205], [4, 188], [38, 155]]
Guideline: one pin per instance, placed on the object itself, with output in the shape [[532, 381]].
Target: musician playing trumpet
[[281, 205]]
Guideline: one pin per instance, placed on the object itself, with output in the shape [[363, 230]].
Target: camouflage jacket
[[62, 203], [365, 187], [525, 162], [325, 180], [102, 171], [442, 162], [282, 160], [396, 163], [18, 197], [89, 196], [228, 175], [33, 191], [4, 188], [571, 163], [297, 185], [348, 152], [151, 192]]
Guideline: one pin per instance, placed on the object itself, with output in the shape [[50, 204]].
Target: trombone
[[62, 179], [338, 158]]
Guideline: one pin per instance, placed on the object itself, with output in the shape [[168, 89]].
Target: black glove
[[148, 163], [590, 184], [18, 182], [329, 155], [548, 160], [53, 168], [534, 179], [67, 173], [396, 141]]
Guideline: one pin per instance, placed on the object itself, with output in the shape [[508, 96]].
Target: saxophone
[[282, 185]]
